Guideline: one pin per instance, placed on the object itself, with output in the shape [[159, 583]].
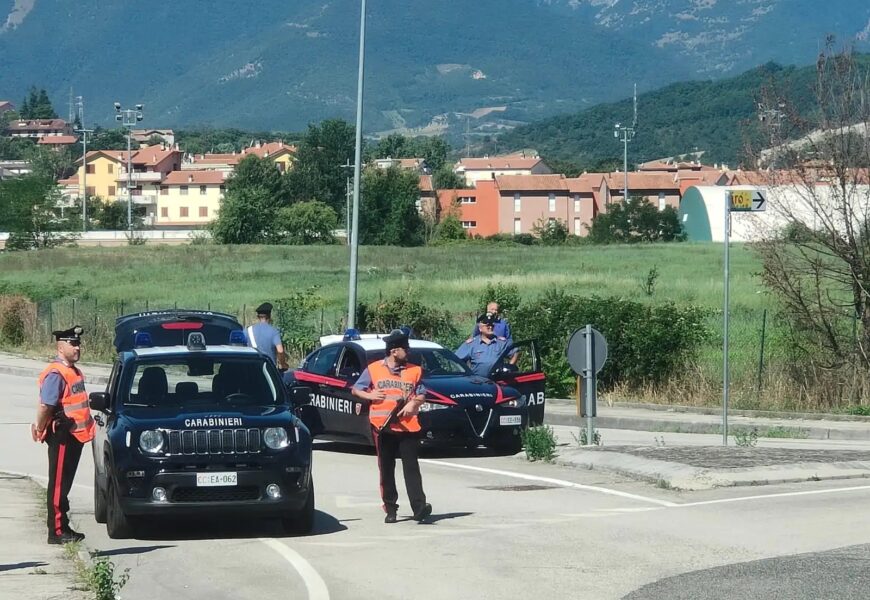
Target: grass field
[[237, 278]]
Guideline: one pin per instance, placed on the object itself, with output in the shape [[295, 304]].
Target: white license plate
[[216, 479], [510, 420]]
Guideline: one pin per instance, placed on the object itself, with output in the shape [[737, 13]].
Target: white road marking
[[353, 502], [556, 482], [317, 589], [314, 583], [778, 495]]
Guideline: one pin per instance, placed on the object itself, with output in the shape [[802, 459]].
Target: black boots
[[66, 537]]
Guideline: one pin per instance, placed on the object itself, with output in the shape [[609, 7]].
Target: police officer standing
[[266, 338], [393, 388], [65, 424]]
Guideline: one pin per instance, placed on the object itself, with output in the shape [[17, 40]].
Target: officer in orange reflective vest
[[393, 388], [65, 424]]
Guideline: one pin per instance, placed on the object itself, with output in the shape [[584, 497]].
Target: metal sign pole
[[727, 236], [590, 388]]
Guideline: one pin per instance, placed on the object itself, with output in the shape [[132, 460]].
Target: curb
[[678, 476], [682, 426], [31, 372]]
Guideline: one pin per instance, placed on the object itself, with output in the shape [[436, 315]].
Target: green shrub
[[297, 318], [506, 294], [101, 579], [746, 438], [539, 443], [17, 315], [427, 322]]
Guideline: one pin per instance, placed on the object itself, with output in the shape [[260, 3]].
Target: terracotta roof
[[37, 124], [531, 182], [117, 155], [152, 155], [74, 180], [657, 165], [642, 181], [58, 140], [217, 159], [269, 149], [498, 163], [194, 178], [154, 131], [6, 105], [411, 163], [586, 183], [426, 183]]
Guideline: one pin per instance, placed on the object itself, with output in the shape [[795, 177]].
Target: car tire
[[118, 525], [99, 501], [301, 522]]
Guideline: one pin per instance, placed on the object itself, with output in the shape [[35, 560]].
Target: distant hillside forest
[[716, 117]]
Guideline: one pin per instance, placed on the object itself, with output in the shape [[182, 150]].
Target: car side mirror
[[300, 395], [99, 401]]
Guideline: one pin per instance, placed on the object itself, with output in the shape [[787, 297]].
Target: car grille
[[216, 494], [479, 420], [214, 441]]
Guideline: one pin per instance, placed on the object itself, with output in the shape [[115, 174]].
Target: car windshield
[[191, 381], [434, 361]]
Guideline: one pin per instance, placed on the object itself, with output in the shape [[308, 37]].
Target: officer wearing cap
[[65, 424], [483, 351], [263, 336], [393, 388]]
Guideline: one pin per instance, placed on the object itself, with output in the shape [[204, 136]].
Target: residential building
[[102, 178], [38, 128], [588, 198], [14, 168], [527, 200], [476, 169], [659, 188], [418, 165], [150, 166], [144, 136], [58, 142], [211, 162], [477, 209], [279, 152], [190, 198], [6, 106]]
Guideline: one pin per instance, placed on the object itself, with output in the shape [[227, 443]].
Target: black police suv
[[461, 408], [193, 422]]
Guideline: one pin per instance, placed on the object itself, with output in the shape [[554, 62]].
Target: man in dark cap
[[483, 350], [393, 388], [263, 336], [65, 424]]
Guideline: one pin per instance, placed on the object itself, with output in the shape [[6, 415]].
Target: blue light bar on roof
[[142, 340], [237, 338], [351, 335]]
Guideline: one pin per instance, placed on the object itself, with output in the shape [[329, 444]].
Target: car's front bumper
[[471, 427]]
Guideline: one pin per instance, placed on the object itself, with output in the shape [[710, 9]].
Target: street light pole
[[347, 195], [357, 168], [627, 135], [80, 104], [128, 118]]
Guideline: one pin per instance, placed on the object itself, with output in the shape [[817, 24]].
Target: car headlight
[[430, 406], [276, 438], [515, 402], [151, 441]]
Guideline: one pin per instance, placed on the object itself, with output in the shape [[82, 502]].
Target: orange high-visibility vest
[[74, 401], [396, 387]]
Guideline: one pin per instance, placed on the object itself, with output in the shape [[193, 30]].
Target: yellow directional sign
[[747, 200]]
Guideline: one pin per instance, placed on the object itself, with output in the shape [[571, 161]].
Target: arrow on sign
[[758, 201]]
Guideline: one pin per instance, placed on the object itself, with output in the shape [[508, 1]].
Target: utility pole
[[128, 118], [80, 105], [357, 170], [627, 135], [347, 197]]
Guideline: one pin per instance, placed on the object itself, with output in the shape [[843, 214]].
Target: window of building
[[223, 188], [577, 226], [576, 203], [137, 191], [518, 226], [468, 200], [469, 224], [552, 202], [518, 202], [91, 169], [164, 190], [92, 191], [182, 211], [164, 212], [203, 211], [551, 220], [111, 190], [111, 168], [662, 202], [203, 190], [184, 190]]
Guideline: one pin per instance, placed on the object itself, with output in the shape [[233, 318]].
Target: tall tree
[[28, 211], [389, 214], [37, 105], [317, 172]]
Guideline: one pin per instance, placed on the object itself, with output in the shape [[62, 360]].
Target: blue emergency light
[[237, 338], [142, 339], [351, 335]]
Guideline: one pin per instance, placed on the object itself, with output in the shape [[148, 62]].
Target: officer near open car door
[[65, 424], [393, 388]]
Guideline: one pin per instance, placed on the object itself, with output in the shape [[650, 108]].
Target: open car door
[[519, 367]]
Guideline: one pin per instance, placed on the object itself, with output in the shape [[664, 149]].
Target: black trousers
[[390, 445], [64, 452]]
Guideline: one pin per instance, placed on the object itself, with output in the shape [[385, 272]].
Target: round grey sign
[[577, 351]]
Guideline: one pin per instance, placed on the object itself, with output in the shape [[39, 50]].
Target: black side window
[[324, 362], [112, 385], [349, 366]]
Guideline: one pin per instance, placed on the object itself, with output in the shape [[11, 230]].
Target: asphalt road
[[502, 528]]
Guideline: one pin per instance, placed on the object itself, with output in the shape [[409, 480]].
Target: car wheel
[[118, 525], [301, 522], [99, 500]]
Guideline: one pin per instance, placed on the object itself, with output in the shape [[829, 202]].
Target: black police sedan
[[205, 427], [461, 409]]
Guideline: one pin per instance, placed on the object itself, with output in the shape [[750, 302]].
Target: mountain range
[[432, 67]]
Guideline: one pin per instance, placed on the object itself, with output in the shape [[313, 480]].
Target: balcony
[[141, 199], [141, 177]]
